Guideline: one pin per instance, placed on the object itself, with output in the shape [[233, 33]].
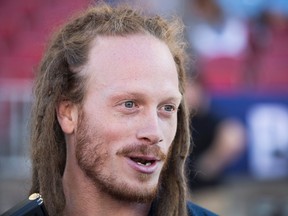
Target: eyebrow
[[174, 97]]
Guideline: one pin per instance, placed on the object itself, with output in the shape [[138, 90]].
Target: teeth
[[146, 164]]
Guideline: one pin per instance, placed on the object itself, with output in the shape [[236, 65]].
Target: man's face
[[129, 115]]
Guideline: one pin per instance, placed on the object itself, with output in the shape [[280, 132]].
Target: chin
[[139, 191]]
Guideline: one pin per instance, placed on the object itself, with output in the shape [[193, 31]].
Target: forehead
[[133, 59]]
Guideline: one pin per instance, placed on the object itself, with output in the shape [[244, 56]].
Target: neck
[[84, 198]]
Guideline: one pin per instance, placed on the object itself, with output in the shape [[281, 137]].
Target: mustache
[[145, 150]]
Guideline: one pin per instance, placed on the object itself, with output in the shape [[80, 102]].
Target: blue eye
[[129, 104], [169, 108]]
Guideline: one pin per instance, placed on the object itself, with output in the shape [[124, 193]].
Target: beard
[[91, 154]]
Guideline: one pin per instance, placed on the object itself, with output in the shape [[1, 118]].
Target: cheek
[[104, 122], [113, 132], [169, 131]]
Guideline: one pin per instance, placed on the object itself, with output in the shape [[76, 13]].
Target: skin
[[129, 111]]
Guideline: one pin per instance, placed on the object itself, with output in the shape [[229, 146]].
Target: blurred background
[[237, 93]]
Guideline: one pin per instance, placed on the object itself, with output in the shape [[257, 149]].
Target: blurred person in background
[[267, 59], [110, 131], [212, 32], [218, 41], [217, 143]]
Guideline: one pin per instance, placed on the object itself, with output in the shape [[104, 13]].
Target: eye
[[129, 104], [169, 108]]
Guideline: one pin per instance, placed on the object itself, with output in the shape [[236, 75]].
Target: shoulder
[[195, 210]]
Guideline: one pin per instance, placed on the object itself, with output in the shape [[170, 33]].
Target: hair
[[58, 79]]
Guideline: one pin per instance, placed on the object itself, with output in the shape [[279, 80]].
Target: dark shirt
[[195, 210]]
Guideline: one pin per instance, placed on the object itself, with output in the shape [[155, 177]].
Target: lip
[[150, 169]]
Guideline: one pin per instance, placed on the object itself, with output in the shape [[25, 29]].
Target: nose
[[149, 130]]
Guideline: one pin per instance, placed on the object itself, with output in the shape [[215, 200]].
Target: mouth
[[142, 161], [143, 164]]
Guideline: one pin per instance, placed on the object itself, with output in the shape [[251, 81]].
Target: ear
[[67, 115]]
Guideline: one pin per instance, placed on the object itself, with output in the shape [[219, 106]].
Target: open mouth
[[143, 162]]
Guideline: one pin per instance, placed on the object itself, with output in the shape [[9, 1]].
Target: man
[[110, 126]]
